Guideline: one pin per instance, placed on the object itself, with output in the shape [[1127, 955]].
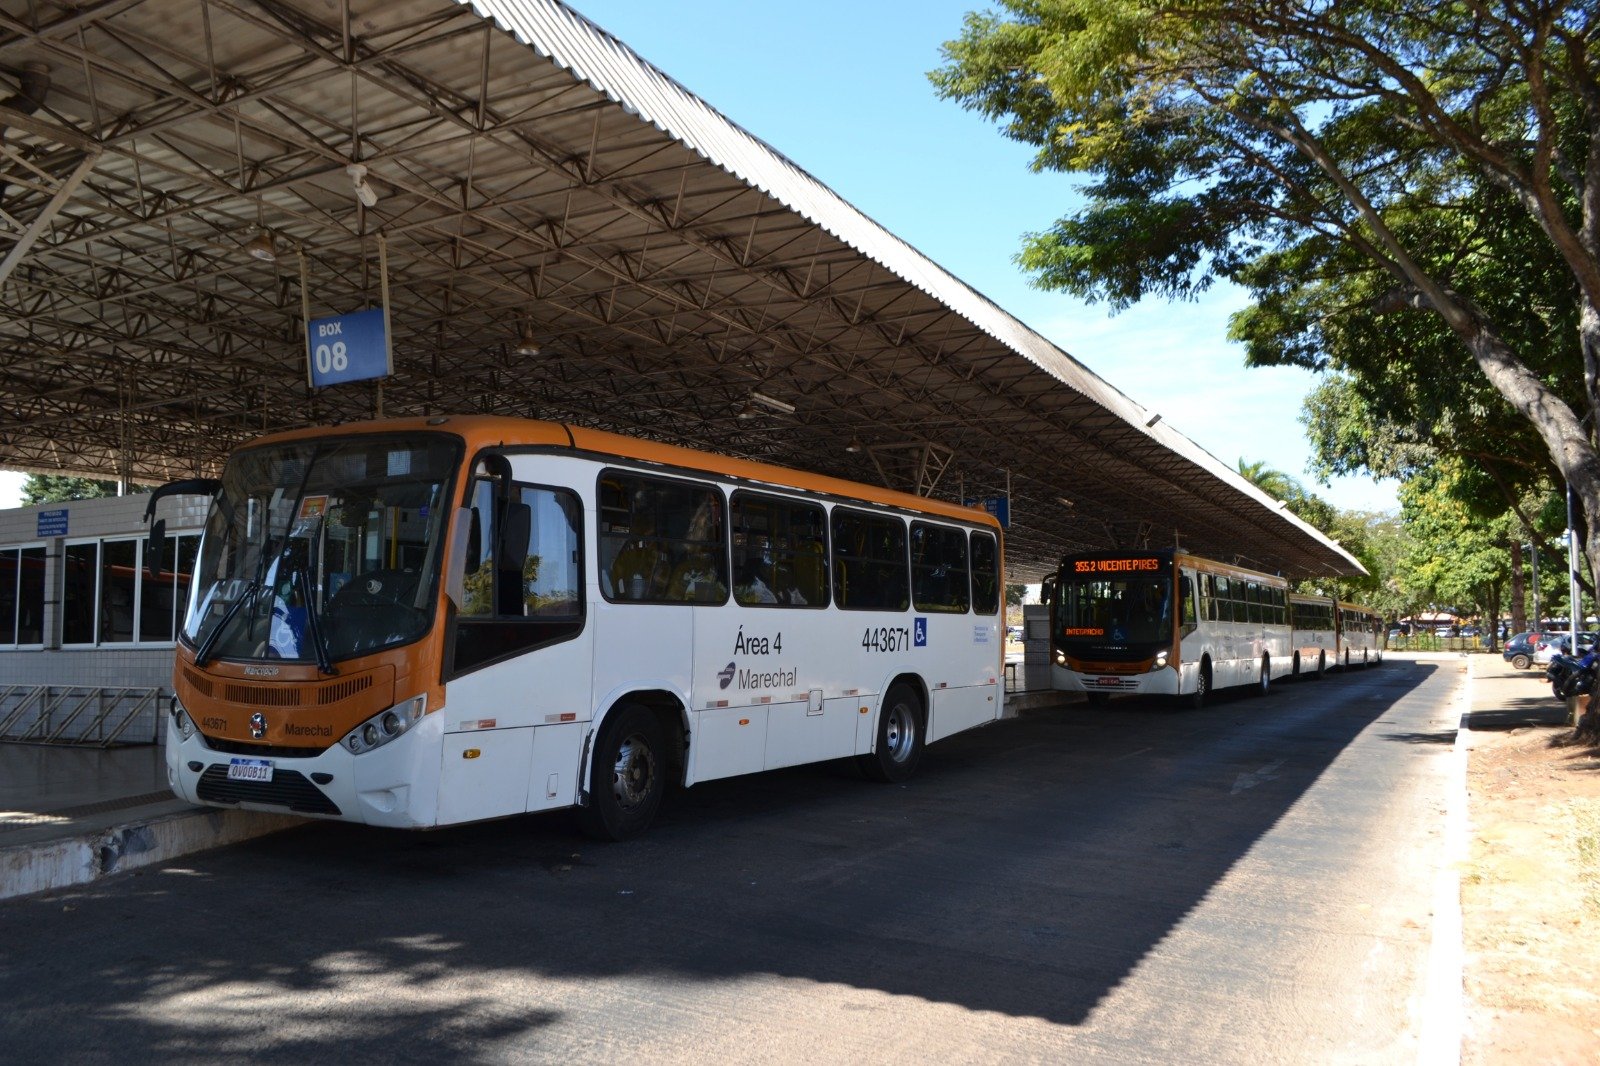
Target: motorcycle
[[1569, 676]]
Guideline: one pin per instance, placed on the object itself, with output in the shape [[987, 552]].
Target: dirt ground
[[1530, 891]]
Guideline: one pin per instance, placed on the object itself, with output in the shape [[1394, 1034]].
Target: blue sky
[[841, 89]]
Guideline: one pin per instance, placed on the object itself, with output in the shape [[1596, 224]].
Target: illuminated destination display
[[1113, 566]]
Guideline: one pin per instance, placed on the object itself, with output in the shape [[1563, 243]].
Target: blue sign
[[999, 506], [351, 347], [919, 632], [52, 523]]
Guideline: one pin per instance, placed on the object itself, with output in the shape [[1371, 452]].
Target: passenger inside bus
[[639, 572]]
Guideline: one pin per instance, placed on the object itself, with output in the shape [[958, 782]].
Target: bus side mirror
[[463, 538], [155, 548]]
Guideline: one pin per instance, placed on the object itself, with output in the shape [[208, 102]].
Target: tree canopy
[[54, 488], [1410, 192]]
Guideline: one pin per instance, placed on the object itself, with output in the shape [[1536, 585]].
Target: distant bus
[[424, 622], [1166, 623], [1333, 633]]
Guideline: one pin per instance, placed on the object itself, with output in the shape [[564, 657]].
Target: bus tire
[[1296, 670], [1322, 665], [1202, 686], [894, 757], [629, 775], [1264, 682]]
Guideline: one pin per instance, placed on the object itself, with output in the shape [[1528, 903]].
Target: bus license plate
[[250, 770]]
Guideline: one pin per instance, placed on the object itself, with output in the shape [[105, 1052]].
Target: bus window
[[940, 577], [869, 562], [665, 540], [779, 552], [985, 573], [526, 589]]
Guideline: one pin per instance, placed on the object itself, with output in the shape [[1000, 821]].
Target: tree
[[51, 488], [1399, 144], [1454, 556]]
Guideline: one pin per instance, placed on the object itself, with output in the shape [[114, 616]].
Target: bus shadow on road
[[1028, 869]]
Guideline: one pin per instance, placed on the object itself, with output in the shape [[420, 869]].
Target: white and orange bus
[[1329, 632], [1164, 622], [431, 621]]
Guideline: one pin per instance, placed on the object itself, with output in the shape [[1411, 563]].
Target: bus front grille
[[286, 789]]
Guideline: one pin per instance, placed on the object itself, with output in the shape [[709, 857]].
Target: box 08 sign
[[351, 347]]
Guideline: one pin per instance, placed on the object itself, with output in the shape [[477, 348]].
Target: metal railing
[[81, 715]]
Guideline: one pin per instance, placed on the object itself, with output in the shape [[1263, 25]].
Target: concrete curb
[[92, 854]]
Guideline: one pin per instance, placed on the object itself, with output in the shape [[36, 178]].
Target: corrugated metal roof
[[537, 177]]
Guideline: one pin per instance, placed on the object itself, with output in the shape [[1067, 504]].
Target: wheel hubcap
[[634, 774], [900, 732]]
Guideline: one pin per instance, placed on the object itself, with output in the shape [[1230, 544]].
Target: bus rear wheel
[[894, 757], [1264, 682], [629, 775]]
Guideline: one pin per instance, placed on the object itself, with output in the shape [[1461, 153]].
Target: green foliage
[[1014, 595], [1399, 185], [50, 488]]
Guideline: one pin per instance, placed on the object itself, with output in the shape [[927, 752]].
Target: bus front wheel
[[1202, 687], [895, 756], [629, 776]]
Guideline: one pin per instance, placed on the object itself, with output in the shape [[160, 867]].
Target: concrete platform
[[70, 815]]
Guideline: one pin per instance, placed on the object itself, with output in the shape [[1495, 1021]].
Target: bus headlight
[[181, 720], [1061, 658], [381, 728], [1160, 663]]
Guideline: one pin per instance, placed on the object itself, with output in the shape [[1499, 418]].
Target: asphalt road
[[1248, 883]]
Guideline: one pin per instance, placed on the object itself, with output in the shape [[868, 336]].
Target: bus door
[[519, 690]]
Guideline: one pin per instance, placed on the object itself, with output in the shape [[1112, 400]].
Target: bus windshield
[[1123, 611], [322, 550]]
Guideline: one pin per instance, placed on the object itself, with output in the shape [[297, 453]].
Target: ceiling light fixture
[[747, 412], [854, 446], [526, 345], [358, 178], [776, 405], [262, 247], [1063, 501]]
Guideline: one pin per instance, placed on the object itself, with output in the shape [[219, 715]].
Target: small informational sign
[[353, 347], [999, 506], [919, 632], [53, 523]]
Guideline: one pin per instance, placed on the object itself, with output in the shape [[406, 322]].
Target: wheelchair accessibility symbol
[[919, 633]]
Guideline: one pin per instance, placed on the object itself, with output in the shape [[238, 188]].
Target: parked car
[[1519, 649], [1558, 643]]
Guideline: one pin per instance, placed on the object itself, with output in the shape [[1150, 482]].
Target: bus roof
[[484, 431]]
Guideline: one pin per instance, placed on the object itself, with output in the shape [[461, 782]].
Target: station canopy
[[568, 234]]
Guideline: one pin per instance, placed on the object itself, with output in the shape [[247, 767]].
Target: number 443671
[[886, 638]]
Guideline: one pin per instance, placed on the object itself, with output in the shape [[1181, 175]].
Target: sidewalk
[[71, 815]]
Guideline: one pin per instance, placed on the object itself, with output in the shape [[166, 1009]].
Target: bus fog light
[[391, 724], [369, 735]]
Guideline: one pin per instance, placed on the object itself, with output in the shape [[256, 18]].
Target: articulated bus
[[1168, 623], [1165, 623], [1330, 632], [431, 621]]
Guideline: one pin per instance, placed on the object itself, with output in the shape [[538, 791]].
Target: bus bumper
[[394, 785], [1163, 682]]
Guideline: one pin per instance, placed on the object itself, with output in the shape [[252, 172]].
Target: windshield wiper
[[202, 654], [319, 643]]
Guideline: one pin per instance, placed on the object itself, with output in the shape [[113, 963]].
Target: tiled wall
[[111, 666]]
